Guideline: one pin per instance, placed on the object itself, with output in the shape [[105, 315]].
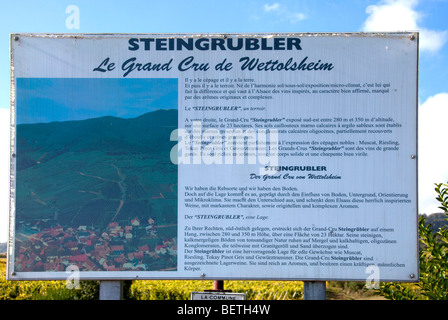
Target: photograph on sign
[[94, 182], [218, 156]]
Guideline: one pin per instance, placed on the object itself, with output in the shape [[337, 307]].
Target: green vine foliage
[[433, 284]]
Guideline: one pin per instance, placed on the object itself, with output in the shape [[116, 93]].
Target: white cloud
[[433, 154], [296, 17], [400, 15], [283, 13], [432, 40], [271, 7]]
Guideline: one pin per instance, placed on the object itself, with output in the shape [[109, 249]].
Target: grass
[[350, 290]]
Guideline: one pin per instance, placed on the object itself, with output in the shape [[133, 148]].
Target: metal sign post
[[111, 290], [314, 290], [218, 285]]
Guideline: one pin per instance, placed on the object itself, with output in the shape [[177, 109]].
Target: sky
[[117, 97], [428, 17]]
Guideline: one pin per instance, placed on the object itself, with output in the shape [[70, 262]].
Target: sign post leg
[[111, 290], [218, 285], [314, 290]]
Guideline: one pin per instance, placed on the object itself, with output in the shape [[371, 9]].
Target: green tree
[[433, 284]]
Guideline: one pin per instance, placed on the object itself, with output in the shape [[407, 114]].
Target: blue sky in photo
[[63, 99]]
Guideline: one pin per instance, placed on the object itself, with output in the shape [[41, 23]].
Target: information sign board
[[214, 156]]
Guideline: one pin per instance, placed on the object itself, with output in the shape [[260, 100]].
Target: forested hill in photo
[[101, 193], [95, 172], [147, 134]]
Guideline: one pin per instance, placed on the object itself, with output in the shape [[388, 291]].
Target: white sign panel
[[217, 156]]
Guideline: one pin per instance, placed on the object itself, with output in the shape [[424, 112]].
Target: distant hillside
[[3, 247], [101, 192], [41, 142], [437, 220], [94, 171]]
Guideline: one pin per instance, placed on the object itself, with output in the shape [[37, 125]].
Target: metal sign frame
[[171, 62]]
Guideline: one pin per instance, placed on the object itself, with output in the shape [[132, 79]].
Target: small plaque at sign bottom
[[217, 296]]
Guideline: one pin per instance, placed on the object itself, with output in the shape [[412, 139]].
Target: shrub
[[433, 260]]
